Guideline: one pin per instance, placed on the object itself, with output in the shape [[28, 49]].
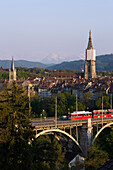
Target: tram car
[[94, 114], [102, 113], [80, 115]]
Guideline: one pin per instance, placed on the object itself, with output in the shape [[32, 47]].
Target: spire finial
[[89, 33], [12, 64], [90, 46]]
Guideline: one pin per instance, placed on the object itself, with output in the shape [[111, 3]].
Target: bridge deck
[[48, 124]]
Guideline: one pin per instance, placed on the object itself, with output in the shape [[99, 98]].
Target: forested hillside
[[22, 63], [103, 63]]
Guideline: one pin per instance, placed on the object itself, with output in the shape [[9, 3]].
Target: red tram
[[94, 114]]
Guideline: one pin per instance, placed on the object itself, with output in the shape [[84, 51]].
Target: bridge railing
[[59, 123], [51, 122], [42, 119]]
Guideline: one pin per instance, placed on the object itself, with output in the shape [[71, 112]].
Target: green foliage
[[81, 106], [65, 103], [4, 75], [106, 102], [18, 147], [30, 72], [48, 152], [62, 102], [96, 158], [22, 74], [35, 105], [105, 142], [15, 129], [87, 99], [102, 150]]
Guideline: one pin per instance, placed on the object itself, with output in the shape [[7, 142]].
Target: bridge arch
[[109, 124], [59, 131]]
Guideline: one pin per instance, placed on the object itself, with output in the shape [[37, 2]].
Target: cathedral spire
[[12, 72], [90, 46], [12, 64], [90, 61]]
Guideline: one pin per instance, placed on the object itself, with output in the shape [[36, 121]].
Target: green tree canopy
[[15, 129], [106, 102], [96, 159], [87, 99], [62, 102], [105, 141], [48, 152]]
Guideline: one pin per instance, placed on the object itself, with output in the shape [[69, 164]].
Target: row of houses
[[60, 82], [48, 87]]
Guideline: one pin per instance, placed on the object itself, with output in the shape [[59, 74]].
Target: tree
[[81, 106], [48, 152], [71, 99], [15, 129], [106, 102], [52, 107], [96, 158], [87, 99], [105, 141], [3, 75], [35, 106], [102, 150], [62, 102]]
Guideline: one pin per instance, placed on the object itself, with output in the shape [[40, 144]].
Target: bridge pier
[[86, 136]]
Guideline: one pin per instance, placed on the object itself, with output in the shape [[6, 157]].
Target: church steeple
[[90, 46], [12, 64], [12, 72], [90, 61]]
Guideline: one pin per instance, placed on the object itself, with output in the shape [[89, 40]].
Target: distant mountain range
[[57, 59], [103, 63], [22, 63]]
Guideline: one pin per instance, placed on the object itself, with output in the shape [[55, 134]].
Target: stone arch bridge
[[79, 131]]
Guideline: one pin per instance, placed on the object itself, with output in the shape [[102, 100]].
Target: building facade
[[90, 60]]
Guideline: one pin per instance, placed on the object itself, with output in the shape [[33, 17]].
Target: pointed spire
[[12, 64], [90, 46]]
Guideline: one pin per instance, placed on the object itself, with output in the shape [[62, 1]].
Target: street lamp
[[41, 117]]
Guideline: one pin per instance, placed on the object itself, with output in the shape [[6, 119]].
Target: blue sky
[[32, 29]]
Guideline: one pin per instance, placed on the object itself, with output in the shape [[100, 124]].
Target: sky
[[33, 29]]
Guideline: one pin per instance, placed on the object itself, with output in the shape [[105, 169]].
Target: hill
[[21, 63], [103, 63], [72, 65]]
